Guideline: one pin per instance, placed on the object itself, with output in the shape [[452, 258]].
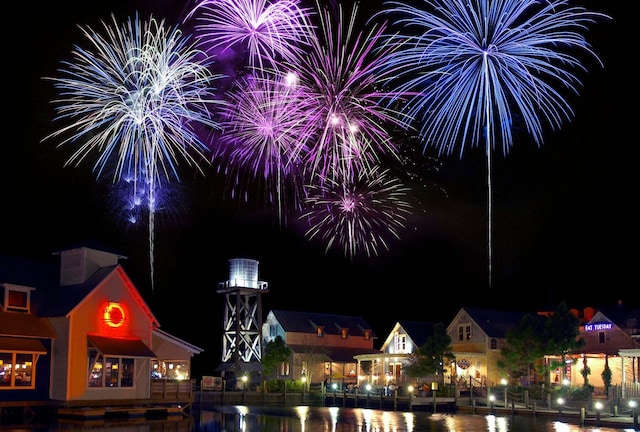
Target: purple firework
[[359, 214], [266, 31], [349, 128], [262, 142]]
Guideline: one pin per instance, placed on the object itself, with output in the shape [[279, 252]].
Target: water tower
[[242, 334]]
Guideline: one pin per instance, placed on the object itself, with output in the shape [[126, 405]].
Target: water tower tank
[[243, 272]]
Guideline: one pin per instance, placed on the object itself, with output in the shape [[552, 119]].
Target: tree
[[429, 358], [310, 357], [275, 353], [606, 376], [561, 335], [524, 347]]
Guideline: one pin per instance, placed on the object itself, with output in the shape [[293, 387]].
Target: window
[[273, 330], [16, 370], [170, 369], [400, 342], [367, 335], [285, 368], [344, 333], [464, 332], [602, 337], [320, 331], [494, 343], [17, 298], [110, 371]]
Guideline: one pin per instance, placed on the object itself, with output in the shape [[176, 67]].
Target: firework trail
[[477, 67], [135, 101]]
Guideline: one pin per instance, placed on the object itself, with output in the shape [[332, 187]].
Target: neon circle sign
[[114, 315]]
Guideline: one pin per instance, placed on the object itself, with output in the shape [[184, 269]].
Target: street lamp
[[633, 404], [244, 382], [503, 383], [492, 399], [598, 406], [304, 385], [560, 403]]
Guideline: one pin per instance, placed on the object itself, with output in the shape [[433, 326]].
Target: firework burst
[[135, 101], [477, 67], [359, 214], [348, 126], [262, 140], [266, 31]]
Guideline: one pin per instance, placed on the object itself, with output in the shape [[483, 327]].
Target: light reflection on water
[[334, 419]]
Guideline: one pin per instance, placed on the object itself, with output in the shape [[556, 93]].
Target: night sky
[[564, 224]]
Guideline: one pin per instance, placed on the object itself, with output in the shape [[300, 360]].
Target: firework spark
[[262, 140], [359, 214], [135, 101], [477, 66], [266, 31], [349, 127]]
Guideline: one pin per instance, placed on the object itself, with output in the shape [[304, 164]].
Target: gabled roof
[[308, 322], [177, 341], [335, 354], [494, 323], [627, 319], [60, 301], [49, 299], [418, 331]]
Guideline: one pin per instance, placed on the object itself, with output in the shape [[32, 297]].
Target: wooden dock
[[120, 412]]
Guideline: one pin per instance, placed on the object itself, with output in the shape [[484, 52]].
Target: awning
[[120, 347], [22, 345]]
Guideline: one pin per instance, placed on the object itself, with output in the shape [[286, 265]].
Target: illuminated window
[[367, 334], [110, 371], [344, 333], [170, 369], [400, 342], [320, 331], [16, 370]]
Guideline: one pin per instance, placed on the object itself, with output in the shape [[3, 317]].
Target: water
[[325, 419]]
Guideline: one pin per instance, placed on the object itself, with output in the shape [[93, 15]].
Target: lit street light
[[598, 406], [560, 403], [633, 404]]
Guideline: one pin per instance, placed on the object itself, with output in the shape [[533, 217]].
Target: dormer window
[[17, 298]]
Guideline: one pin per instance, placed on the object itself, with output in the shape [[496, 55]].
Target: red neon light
[[114, 315]]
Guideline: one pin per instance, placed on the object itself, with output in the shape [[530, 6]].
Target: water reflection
[[334, 419], [241, 418]]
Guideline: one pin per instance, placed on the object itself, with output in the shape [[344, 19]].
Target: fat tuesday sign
[[599, 326]]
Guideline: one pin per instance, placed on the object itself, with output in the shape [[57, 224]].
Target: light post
[[304, 385], [244, 382], [492, 399], [560, 403], [598, 406], [633, 404], [504, 383]]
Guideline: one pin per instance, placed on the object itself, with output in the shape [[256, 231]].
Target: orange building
[[83, 332]]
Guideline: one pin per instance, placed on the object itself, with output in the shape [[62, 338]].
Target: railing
[[172, 390]]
